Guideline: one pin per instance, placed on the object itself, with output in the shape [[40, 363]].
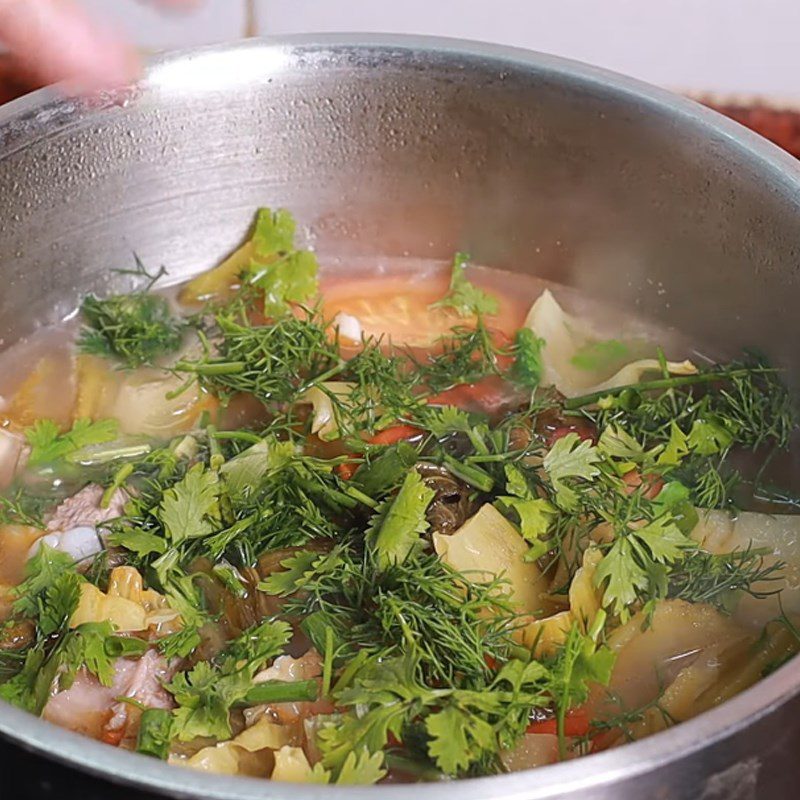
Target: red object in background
[[12, 84], [780, 127]]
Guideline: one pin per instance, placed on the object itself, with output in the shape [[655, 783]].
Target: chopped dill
[[465, 355], [136, 329], [704, 577], [416, 606], [274, 362], [747, 397]]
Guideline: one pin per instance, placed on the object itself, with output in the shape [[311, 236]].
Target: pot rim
[[39, 113]]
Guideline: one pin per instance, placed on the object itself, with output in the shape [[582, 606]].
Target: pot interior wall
[[393, 150]]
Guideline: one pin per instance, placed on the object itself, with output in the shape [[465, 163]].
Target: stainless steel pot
[[422, 146]]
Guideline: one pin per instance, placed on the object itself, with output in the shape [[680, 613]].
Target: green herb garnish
[[136, 329]]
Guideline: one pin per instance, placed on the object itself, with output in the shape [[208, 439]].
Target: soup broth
[[385, 521]]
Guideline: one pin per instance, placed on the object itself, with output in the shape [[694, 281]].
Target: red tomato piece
[[576, 723], [346, 471], [653, 483], [395, 434]]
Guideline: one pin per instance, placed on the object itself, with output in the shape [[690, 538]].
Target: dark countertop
[[26, 776]]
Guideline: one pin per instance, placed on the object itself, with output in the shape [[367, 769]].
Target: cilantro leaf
[[20, 689], [463, 296], [190, 509], [256, 645], [184, 597], [44, 437], [531, 676], [535, 514], [291, 279], [535, 518], [615, 442], [357, 734], [204, 700], [361, 769], [274, 232], [580, 663], [458, 738], [675, 499], [527, 351], [445, 420], [94, 657], [622, 574], [383, 474], [48, 444], [41, 572], [636, 561], [397, 530], [387, 691], [465, 727], [284, 274], [569, 458], [138, 541], [516, 484], [206, 694], [297, 570], [245, 472], [664, 539], [676, 449], [709, 436], [59, 602], [83, 647]]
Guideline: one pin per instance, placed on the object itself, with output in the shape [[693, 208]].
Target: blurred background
[[722, 47]]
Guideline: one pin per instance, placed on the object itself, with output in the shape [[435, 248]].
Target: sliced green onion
[[281, 692], [125, 646]]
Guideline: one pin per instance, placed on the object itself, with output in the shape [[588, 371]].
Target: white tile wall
[[214, 21]]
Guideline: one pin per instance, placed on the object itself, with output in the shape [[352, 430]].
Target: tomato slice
[[347, 470], [576, 723], [395, 434], [634, 479], [391, 435]]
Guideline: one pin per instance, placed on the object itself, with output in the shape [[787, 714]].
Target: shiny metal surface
[[423, 146]]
